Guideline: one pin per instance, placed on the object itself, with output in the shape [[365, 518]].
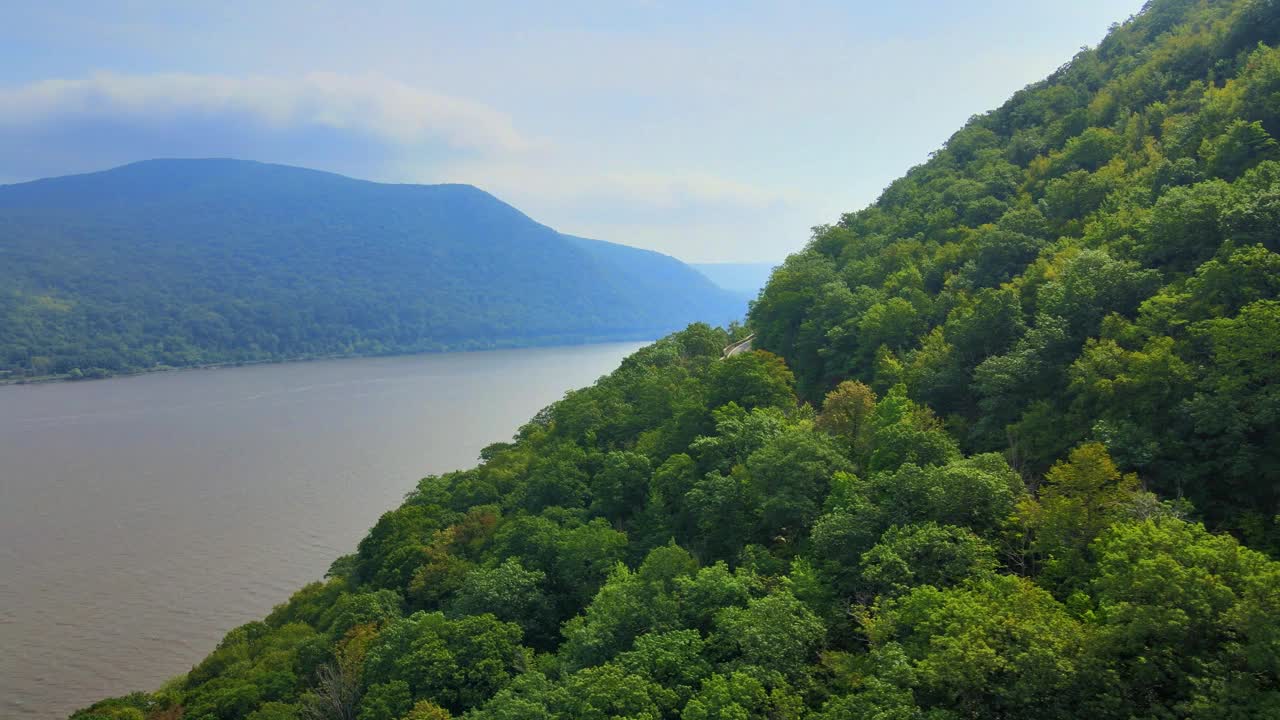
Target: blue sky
[[713, 131]]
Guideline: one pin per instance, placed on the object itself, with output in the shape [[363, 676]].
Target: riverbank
[[467, 346]]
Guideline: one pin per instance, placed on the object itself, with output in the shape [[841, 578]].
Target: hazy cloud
[[368, 126], [387, 109]]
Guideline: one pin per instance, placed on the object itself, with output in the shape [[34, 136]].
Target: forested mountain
[[182, 262], [1010, 436]]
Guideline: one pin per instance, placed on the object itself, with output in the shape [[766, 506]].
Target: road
[[743, 345]]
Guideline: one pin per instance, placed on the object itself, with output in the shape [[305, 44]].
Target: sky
[[711, 131]]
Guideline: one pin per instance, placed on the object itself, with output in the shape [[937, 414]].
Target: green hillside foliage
[[1096, 261], [1008, 453], [187, 262]]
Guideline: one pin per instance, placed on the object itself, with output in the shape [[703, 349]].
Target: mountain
[[1095, 261], [181, 262], [1005, 448], [743, 278]]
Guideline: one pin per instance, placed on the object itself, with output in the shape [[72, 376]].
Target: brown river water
[[143, 517]]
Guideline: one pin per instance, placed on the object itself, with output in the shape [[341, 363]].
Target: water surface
[[143, 517]]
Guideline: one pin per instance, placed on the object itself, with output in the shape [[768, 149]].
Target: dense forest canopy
[[1094, 261], [186, 262], [1006, 449]]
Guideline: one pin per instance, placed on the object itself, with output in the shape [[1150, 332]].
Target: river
[[143, 517]]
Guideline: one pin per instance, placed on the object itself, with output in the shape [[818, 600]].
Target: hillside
[[1008, 451], [181, 262], [1094, 261]]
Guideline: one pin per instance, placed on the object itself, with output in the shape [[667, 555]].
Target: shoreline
[[461, 348]]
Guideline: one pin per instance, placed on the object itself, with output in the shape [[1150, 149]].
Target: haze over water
[[141, 518]]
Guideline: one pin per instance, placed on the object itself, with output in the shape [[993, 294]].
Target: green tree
[[609, 691], [629, 605], [1234, 416], [1000, 647], [776, 632], [751, 379], [455, 663], [386, 701], [619, 488], [846, 414], [978, 493], [510, 593], [1189, 621], [904, 432], [1185, 226], [739, 695], [1080, 498], [427, 710], [792, 474], [925, 554], [1242, 146]]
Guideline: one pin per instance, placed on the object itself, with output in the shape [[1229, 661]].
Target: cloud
[[371, 104], [373, 127]]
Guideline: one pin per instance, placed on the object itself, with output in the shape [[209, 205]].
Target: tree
[[672, 661], [557, 479], [1243, 145], [777, 315], [999, 647], [609, 691], [1234, 414], [839, 538], [739, 433], [846, 414], [904, 432], [129, 707], [791, 474], [751, 379], [894, 323], [1090, 284], [925, 554], [455, 663], [1080, 498], [977, 493], [710, 590], [619, 488], [386, 701], [629, 605], [1190, 621], [1132, 396], [739, 695], [1185, 226], [510, 593], [427, 710], [723, 513], [352, 609], [775, 632]]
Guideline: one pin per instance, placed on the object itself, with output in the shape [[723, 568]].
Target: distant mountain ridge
[[183, 262]]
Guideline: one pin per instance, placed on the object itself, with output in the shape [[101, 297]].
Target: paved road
[[741, 346]]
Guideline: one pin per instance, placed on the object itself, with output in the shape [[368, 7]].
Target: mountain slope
[[1089, 262], [1048, 302], [179, 262]]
